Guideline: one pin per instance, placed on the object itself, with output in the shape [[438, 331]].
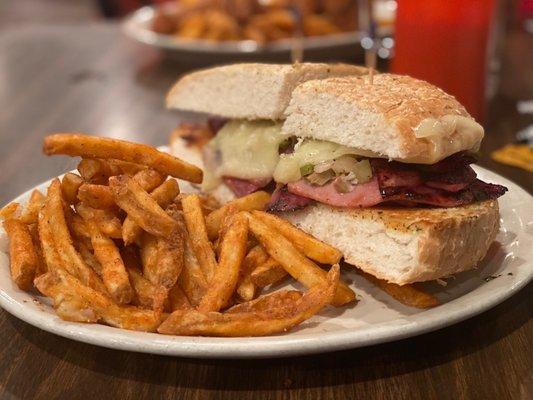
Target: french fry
[[232, 254], [268, 273], [96, 171], [192, 279], [72, 262], [246, 288], [162, 259], [97, 147], [114, 273], [141, 207], [123, 167], [41, 265], [409, 295], [78, 228], [70, 184], [149, 179], [30, 215], [254, 323], [108, 223], [226, 222], [282, 299], [163, 195], [46, 239], [305, 243], [147, 294], [298, 266], [177, 300], [96, 196], [74, 301], [89, 257], [10, 210], [195, 222], [254, 201], [23, 257]]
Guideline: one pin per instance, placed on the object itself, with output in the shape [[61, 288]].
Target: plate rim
[[257, 347]]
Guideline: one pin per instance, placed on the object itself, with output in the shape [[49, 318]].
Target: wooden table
[[91, 79]]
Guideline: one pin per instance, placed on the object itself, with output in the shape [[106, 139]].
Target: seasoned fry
[[147, 294], [246, 288], [89, 257], [108, 222], [254, 201], [226, 223], [194, 219], [70, 184], [141, 207], [96, 171], [281, 299], [71, 259], [78, 228], [114, 273], [123, 167], [96, 196], [163, 195], [192, 279], [162, 259], [74, 301], [46, 239], [298, 266], [34, 232], [305, 243], [253, 323], [149, 179], [268, 273], [30, 215], [226, 276], [177, 300], [97, 147], [409, 295], [24, 261], [10, 210]]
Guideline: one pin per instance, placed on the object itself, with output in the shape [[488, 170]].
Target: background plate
[[376, 318]]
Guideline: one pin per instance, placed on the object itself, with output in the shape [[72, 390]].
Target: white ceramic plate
[[137, 26], [375, 319]]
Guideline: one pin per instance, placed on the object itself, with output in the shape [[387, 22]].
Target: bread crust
[[249, 90], [381, 117]]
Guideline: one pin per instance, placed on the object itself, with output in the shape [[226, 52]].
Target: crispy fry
[[74, 301], [163, 195], [409, 295], [89, 257], [96, 171], [70, 184], [98, 147], [253, 323], [305, 243], [108, 222], [177, 300], [149, 179], [246, 288], [114, 273], [46, 239], [141, 207], [268, 273], [10, 210], [30, 215], [192, 279], [72, 262], [226, 276], [226, 223], [298, 266], [96, 196], [78, 228], [147, 294], [194, 219], [41, 265], [282, 299], [254, 201], [22, 254], [124, 167]]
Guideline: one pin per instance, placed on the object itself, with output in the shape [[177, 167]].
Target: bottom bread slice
[[405, 245]]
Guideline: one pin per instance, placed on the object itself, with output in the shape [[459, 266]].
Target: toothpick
[[297, 45], [370, 62]]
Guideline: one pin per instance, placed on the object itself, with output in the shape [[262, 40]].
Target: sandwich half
[[380, 169]]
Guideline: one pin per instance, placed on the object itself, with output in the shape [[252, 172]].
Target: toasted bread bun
[[396, 117], [249, 91], [405, 245]]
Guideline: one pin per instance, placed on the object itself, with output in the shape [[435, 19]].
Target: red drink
[[445, 42]]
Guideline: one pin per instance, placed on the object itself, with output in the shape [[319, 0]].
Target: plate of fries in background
[[125, 253], [248, 28]]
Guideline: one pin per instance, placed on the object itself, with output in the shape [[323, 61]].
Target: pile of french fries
[[118, 244], [260, 21]]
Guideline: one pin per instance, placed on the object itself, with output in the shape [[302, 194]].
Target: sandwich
[[378, 167]]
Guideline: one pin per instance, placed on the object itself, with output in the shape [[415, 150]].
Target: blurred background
[[104, 66]]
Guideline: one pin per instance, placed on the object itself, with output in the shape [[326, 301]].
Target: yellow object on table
[[517, 155]]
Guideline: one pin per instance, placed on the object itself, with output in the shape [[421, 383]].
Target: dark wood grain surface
[[89, 78]]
